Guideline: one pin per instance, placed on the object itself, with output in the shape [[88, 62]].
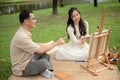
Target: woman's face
[[75, 17]]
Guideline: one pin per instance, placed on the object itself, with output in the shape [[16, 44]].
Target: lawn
[[51, 27], [9, 0]]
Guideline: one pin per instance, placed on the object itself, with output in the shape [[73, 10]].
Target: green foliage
[[51, 27]]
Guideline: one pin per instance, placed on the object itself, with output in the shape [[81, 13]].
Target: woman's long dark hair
[[82, 26]]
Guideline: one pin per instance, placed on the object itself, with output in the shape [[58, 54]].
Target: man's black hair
[[24, 14]]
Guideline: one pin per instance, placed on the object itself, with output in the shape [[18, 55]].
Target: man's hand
[[60, 41]]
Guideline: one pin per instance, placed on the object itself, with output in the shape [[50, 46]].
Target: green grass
[[10, 0], [51, 27]]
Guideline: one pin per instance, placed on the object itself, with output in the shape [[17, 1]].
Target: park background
[[51, 27]]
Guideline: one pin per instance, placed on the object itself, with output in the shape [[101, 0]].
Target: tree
[[119, 0], [54, 6], [95, 3], [61, 3]]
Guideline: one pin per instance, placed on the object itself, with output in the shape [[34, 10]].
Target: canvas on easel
[[98, 50]]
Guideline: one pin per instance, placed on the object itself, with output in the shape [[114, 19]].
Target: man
[[27, 57]]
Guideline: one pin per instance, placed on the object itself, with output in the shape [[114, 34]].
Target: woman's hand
[[84, 39]]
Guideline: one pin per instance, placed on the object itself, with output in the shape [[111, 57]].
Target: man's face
[[32, 21]]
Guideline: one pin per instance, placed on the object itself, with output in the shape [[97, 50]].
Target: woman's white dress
[[74, 49]]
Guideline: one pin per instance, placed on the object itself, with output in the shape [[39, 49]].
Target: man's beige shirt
[[21, 50]]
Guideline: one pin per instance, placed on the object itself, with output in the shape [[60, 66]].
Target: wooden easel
[[98, 50]]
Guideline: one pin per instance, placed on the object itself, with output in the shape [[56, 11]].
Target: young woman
[[78, 33]]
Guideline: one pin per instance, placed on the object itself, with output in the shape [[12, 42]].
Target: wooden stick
[[3, 60], [102, 21], [100, 31]]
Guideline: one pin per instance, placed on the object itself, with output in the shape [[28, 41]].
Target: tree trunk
[[61, 3], [95, 3], [54, 6]]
